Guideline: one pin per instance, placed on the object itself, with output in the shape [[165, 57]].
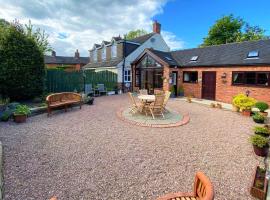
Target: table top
[[147, 97]]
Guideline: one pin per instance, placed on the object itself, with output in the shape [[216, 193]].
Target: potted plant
[[21, 113], [263, 131], [212, 105], [262, 106], [260, 145], [219, 105], [244, 103], [189, 99], [180, 91], [259, 184], [258, 118], [172, 90]]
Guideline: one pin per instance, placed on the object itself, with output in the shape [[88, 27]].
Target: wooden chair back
[[143, 92], [167, 97], [132, 99], [157, 91], [203, 188], [159, 100]]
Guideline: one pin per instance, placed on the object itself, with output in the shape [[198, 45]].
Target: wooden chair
[[135, 107], [157, 91], [156, 108], [143, 92], [166, 99], [202, 190]]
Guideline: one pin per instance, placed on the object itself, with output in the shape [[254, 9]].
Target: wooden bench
[[63, 99], [202, 190]]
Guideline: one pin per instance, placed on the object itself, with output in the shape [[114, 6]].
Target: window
[[114, 50], [137, 77], [95, 55], [127, 75], [168, 58], [190, 77], [251, 78], [104, 53], [194, 58], [253, 54]]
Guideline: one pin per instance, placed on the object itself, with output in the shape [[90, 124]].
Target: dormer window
[[104, 53], [253, 54], [114, 50], [194, 58]]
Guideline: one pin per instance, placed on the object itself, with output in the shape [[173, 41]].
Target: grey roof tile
[[143, 38], [111, 63], [65, 60]]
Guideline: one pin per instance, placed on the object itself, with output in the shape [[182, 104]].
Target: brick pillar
[[166, 78]]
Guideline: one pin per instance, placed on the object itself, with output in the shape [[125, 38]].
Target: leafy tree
[[21, 64], [39, 36], [135, 33], [230, 29]]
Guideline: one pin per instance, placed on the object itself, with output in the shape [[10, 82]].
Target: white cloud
[[172, 40], [78, 24]]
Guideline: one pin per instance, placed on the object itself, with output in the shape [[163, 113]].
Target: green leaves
[[135, 33]]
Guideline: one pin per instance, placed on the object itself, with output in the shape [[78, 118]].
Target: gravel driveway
[[91, 154]]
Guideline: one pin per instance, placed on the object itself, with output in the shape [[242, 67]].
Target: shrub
[[21, 64], [262, 106], [243, 102], [22, 110], [264, 131], [258, 118], [259, 141]]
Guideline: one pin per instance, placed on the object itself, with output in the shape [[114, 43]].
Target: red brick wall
[[225, 90]]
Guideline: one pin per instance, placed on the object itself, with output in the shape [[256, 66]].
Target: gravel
[[91, 154]]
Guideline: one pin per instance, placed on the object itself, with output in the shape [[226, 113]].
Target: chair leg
[[152, 113]]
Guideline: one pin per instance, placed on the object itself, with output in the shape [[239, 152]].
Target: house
[[215, 73], [74, 63], [117, 55]]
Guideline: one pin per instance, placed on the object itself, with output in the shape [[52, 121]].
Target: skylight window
[[194, 58], [253, 54], [168, 58]]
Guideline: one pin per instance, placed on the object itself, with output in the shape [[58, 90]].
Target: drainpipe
[[124, 63]]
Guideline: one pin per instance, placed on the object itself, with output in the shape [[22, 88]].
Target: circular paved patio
[[91, 154]]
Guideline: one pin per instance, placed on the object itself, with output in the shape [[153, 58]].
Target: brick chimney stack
[[53, 53], [77, 54], [156, 27]]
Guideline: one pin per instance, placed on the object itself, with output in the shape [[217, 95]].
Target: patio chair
[[157, 91], [143, 92], [89, 90], [101, 89], [166, 99], [156, 108], [202, 190], [135, 106]]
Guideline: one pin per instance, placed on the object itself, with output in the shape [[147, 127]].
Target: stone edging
[[1, 172], [182, 122]]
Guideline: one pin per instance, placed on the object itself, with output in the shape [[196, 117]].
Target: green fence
[[62, 81]]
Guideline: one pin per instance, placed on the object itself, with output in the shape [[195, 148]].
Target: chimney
[[156, 27], [53, 53], [77, 54]]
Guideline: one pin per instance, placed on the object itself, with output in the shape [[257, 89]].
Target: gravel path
[[91, 154]]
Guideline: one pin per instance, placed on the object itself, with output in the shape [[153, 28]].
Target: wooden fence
[[62, 81]]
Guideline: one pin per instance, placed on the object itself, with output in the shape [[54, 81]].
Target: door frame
[[202, 91]]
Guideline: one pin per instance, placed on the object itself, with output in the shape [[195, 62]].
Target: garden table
[[146, 99]]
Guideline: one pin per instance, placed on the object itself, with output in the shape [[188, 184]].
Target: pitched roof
[[221, 55], [65, 60], [165, 56], [142, 39], [111, 63]]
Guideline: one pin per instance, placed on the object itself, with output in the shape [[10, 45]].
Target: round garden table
[[147, 98]]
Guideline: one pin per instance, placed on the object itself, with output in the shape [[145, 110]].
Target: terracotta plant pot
[[259, 180], [264, 113], [20, 118], [246, 113], [261, 151]]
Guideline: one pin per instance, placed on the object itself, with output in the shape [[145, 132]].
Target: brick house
[[116, 55], [74, 63], [215, 73]]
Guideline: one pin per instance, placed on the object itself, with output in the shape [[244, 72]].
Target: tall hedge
[[22, 68]]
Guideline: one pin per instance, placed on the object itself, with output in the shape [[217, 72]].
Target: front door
[[209, 85], [174, 81]]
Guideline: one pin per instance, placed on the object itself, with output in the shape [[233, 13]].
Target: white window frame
[[127, 75], [114, 51], [95, 55], [104, 53]]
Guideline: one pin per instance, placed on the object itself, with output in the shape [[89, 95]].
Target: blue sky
[[78, 24], [190, 20]]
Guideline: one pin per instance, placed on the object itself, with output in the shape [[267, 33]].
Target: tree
[[135, 33], [39, 36], [22, 67], [230, 29]]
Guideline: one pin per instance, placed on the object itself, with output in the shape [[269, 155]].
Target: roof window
[[253, 54], [194, 58]]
